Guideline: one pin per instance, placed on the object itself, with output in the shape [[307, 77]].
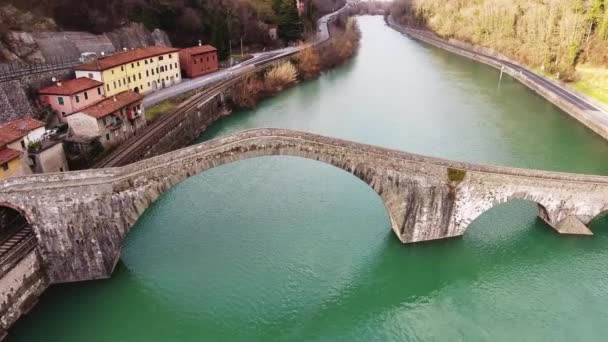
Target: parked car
[[55, 132]]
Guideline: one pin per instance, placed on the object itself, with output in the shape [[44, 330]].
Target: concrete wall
[[20, 289]]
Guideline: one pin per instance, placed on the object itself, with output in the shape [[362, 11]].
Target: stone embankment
[[585, 110]]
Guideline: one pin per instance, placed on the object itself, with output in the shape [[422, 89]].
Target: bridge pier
[[572, 225], [80, 219]]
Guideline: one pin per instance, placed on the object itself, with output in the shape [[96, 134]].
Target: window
[[148, 84], [86, 96], [157, 70], [77, 98], [90, 75], [112, 71], [170, 66], [167, 78], [137, 63], [108, 136], [176, 75], [60, 100], [147, 73], [5, 166], [160, 58], [99, 91], [129, 79], [150, 60], [132, 65], [140, 75], [170, 56], [175, 65], [114, 84], [145, 61], [108, 86], [122, 68], [152, 71], [22, 144], [119, 83]]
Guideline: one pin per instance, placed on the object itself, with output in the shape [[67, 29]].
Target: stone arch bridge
[[81, 218]]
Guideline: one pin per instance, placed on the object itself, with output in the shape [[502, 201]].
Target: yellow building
[[140, 70]]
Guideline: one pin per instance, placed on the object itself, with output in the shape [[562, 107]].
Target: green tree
[[289, 24]]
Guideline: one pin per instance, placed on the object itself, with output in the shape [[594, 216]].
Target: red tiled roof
[[71, 87], [112, 104], [15, 130], [8, 154], [195, 50], [125, 57]]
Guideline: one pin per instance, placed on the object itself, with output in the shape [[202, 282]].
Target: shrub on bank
[[308, 64], [279, 77]]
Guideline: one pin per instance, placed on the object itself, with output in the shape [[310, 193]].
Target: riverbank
[[587, 112], [288, 249], [308, 64], [193, 116]]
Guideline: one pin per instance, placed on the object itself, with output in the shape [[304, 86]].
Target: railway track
[[15, 247], [130, 150]]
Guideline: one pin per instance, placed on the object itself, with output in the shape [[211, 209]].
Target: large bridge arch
[[82, 217], [363, 172]]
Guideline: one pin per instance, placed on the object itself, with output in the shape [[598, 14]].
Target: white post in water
[[502, 68]]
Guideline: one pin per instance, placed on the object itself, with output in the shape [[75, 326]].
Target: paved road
[[190, 84], [557, 89]]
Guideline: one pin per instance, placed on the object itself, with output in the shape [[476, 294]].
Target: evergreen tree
[[289, 24]]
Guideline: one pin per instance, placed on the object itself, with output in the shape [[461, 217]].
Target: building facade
[[23, 150], [113, 120], [198, 60], [140, 70], [70, 96]]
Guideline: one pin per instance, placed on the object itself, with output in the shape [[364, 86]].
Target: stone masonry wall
[[16, 100], [81, 218], [20, 289]]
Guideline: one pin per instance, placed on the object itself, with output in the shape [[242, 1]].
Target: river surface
[[286, 249]]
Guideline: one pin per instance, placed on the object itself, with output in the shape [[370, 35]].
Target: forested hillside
[[186, 21], [569, 37]]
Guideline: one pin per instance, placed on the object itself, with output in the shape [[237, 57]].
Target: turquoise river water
[[285, 249]]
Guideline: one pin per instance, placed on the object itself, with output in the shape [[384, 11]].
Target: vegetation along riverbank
[[564, 39], [308, 64]]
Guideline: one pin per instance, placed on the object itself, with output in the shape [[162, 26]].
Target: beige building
[[113, 120]]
